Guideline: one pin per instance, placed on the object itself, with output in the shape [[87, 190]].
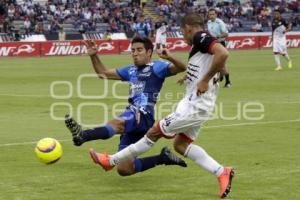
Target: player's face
[[187, 34], [276, 15], [212, 15], [139, 54]]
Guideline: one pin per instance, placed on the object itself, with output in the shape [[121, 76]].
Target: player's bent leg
[[153, 133], [225, 72], [132, 151], [166, 157], [75, 130], [80, 136], [181, 143], [225, 181], [126, 168]]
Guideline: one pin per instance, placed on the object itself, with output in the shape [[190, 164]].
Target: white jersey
[[199, 64], [161, 33], [279, 28], [193, 111], [279, 38]]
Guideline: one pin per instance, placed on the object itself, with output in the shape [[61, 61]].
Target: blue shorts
[[133, 131]]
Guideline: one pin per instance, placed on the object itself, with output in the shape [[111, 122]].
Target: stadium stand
[[22, 19]]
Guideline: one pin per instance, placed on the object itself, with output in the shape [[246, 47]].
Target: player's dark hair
[[146, 41], [192, 19], [212, 9], [277, 10]]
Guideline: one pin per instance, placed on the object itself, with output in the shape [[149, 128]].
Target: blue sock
[[143, 164], [103, 132]]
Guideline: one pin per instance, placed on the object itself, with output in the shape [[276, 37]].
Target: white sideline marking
[[208, 127], [26, 143], [252, 123], [25, 95], [175, 100]]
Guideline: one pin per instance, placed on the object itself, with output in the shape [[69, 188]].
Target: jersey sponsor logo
[[146, 69], [145, 74], [137, 87]]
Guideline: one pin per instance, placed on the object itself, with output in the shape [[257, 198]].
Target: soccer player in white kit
[[160, 35], [279, 28], [206, 59]]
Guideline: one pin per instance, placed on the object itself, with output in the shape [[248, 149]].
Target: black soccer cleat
[[228, 85], [75, 130], [168, 158]]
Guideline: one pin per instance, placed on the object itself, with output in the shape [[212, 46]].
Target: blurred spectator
[[257, 27], [11, 12], [39, 28], [61, 34], [142, 28], [27, 25]]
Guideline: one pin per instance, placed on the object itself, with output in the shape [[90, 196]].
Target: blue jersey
[[145, 83], [142, 29]]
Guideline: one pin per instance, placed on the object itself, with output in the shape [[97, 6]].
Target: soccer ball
[[48, 150]]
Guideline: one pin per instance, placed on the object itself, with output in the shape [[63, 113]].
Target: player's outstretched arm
[[220, 55], [182, 80], [99, 67], [177, 65]]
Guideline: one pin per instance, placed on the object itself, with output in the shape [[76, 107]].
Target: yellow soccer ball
[[48, 150]]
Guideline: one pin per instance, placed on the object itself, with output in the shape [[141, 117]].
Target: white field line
[[27, 143], [168, 100], [207, 127], [251, 123]]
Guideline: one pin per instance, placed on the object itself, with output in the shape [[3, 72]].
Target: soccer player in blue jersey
[[145, 79]]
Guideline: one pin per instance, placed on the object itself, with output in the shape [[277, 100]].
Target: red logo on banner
[[177, 44], [20, 49], [242, 42]]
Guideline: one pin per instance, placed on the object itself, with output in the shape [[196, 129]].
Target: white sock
[[132, 151], [199, 155], [286, 56], [277, 59]]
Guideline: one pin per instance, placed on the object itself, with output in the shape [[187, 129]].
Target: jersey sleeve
[[161, 69], [223, 27], [284, 23], [203, 42], [123, 72]]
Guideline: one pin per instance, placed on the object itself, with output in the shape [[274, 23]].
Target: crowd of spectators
[[82, 14], [124, 16], [235, 13]]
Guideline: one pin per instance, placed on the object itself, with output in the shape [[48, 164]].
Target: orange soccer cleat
[[101, 159], [225, 181]]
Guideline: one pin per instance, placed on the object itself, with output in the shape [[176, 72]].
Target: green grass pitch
[[264, 152]]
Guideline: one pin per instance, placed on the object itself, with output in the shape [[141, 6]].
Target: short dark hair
[[192, 19], [146, 41], [212, 9], [277, 10]]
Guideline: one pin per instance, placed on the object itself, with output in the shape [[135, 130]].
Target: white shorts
[[186, 121], [160, 40], [279, 47]]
